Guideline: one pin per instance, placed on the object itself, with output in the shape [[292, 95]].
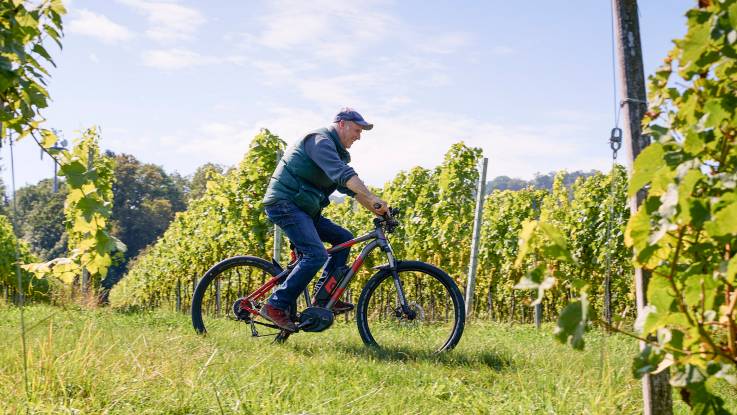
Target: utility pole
[[475, 241], [656, 391]]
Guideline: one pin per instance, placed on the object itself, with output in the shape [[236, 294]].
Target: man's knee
[[315, 257]]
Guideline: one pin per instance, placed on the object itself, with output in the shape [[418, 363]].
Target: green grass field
[[100, 361]]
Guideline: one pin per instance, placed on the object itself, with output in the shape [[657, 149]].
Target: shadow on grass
[[491, 360]]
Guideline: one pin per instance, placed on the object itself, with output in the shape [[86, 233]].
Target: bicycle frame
[[377, 238]]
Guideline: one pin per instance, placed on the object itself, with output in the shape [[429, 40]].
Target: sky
[[183, 83]]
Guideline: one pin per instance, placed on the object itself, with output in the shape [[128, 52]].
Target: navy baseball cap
[[349, 114]]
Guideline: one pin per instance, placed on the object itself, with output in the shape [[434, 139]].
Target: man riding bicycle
[[312, 169]]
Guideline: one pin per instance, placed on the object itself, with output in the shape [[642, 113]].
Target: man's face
[[349, 132]]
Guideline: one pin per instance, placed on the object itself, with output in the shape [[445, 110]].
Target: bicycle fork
[[401, 298]]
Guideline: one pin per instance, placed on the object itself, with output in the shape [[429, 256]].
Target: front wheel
[[432, 320]]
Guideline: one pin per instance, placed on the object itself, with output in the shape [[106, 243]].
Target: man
[[309, 172]]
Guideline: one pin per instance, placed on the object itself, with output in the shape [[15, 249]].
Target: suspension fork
[[401, 298]]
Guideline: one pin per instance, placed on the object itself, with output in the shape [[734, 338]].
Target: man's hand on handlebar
[[380, 207]]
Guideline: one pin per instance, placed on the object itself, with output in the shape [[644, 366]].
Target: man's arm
[[365, 197], [322, 151]]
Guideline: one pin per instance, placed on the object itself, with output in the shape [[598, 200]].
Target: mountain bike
[[406, 306]]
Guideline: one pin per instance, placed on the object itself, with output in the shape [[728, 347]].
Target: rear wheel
[[215, 298], [433, 320]]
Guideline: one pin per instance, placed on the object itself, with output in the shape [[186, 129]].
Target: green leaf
[[692, 292], [716, 112], [638, 229], [557, 246], [660, 294], [697, 38], [724, 221], [732, 270], [732, 10], [48, 138], [37, 48], [74, 171], [572, 323], [647, 163], [647, 361], [525, 239]]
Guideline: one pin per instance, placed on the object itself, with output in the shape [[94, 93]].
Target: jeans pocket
[[281, 213]]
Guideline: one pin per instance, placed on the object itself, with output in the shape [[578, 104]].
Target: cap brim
[[364, 125]]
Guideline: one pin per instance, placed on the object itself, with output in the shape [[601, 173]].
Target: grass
[[100, 361]]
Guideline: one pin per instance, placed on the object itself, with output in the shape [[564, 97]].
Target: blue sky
[[182, 83]]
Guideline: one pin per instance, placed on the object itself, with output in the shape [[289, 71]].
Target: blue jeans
[[307, 235]]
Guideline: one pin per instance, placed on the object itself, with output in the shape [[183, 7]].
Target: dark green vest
[[297, 178]]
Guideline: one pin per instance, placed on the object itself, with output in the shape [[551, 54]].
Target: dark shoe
[[339, 307], [278, 316]]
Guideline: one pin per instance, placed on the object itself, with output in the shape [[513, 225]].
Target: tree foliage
[[203, 174], [39, 217], [25, 28], [227, 221], [9, 244], [88, 207], [145, 200]]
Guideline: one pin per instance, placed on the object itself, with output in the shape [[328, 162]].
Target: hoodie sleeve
[[323, 152]]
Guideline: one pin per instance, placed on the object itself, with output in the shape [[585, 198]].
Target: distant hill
[[540, 181]]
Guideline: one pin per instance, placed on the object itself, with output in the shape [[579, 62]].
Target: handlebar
[[387, 219]]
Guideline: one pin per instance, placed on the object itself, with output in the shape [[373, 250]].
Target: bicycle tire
[[364, 313], [218, 272]]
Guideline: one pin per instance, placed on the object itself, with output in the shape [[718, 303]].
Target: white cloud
[[95, 25], [94, 58], [168, 21], [444, 43], [397, 142], [173, 59], [383, 81], [328, 29], [400, 142]]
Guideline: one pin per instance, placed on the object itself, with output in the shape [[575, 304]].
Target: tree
[[505, 183], [203, 174], [40, 218], [228, 221], [9, 244], [540, 181], [145, 200]]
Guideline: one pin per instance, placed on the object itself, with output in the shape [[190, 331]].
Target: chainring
[[239, 313], [315, 319]]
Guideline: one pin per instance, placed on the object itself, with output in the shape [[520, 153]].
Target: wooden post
[[277, 230], [656, 391], [475, 241], [538, 314], [179, 296], [85, 281]]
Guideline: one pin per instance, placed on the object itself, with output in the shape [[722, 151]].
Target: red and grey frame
[[332, 285]]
